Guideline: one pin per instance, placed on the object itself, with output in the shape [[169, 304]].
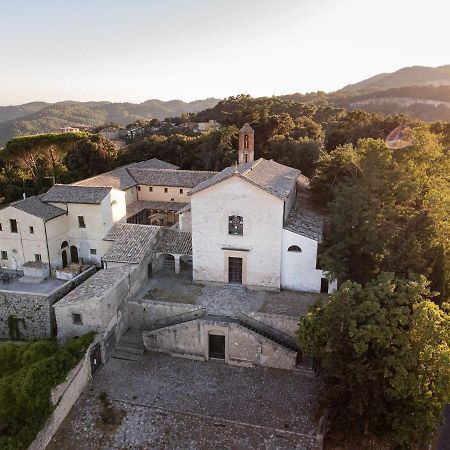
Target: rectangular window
[[172, 199], [4, 254], [1, 229], [31, 230], [181, 191], [77, 319], [236, 225], [166, 190], [139, 188], [81, 223], [13, 223], [150, 189], [37, 257], [93, 251]]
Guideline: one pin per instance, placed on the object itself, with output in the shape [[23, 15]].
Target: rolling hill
[[40, 117], [408, 76]]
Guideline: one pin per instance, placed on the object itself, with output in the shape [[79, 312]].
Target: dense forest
[[382, 341]]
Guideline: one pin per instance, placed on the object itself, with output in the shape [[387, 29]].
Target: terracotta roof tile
[[168, 177], [61, 193], [131, 242], [174, 242], [274, 178], [36, 207]]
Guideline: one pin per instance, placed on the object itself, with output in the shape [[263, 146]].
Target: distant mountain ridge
[[407, 76], [41, 117]]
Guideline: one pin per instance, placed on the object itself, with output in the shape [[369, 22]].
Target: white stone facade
[[259, 246]]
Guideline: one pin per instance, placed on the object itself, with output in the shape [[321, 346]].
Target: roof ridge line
[[252, 166]]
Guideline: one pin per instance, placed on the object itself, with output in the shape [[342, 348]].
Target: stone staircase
[[130, 342]]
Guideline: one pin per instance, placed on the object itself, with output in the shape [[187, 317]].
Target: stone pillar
[[177, 263]]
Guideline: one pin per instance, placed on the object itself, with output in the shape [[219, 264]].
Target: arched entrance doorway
[[186, 265], [64, 258], [167, 262], [74, 254], [64, 246]]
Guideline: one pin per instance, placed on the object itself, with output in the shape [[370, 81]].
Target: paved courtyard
[[162, 402], [226, 300]]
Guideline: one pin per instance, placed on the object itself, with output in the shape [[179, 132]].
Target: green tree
[[90, 156], [385, 353], [389, 210]]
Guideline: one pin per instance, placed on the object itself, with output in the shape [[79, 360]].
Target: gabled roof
[[121, 178], [62, 193], [153, 163], [131, 242], [246, 129], [169, 177], [268, 175], [118, 178], [36, 207]]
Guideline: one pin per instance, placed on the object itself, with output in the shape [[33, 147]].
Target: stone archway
[[186, 265], [166, 261]]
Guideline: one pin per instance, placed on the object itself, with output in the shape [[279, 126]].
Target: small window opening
[[13, 223], [77, 319], [81, 222], [246, 141], [37, 257], [4, 254], [294, 248], [31, 230]]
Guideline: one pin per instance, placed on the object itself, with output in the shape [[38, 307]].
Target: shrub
[[27, 375]]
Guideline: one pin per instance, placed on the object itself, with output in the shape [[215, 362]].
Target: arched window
[[236, 225], [294, 248], [64, 244], [246, 158], [246, 142]]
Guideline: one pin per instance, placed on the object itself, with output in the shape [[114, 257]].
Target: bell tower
[[246, 144]]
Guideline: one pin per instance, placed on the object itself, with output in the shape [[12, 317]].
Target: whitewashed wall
[[298, 270], [159, 195], [263, 222], [23, 245]]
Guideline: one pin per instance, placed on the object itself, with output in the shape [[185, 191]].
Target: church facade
[[253, 224]]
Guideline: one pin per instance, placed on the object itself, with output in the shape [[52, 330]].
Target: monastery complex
[[80, 257]]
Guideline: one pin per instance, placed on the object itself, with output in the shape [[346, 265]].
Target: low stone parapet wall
[[147, 314], [63, 397], [286, 324]]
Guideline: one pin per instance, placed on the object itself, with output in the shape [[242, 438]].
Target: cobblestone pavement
[[173, 403], [227, 299]]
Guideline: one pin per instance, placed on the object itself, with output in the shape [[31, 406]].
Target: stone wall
[[286, 324], [243, 347], [63, 398], [102, 302], [34, 313], [144, 314]]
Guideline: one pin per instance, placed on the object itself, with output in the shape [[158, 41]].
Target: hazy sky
[[134, 50]]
